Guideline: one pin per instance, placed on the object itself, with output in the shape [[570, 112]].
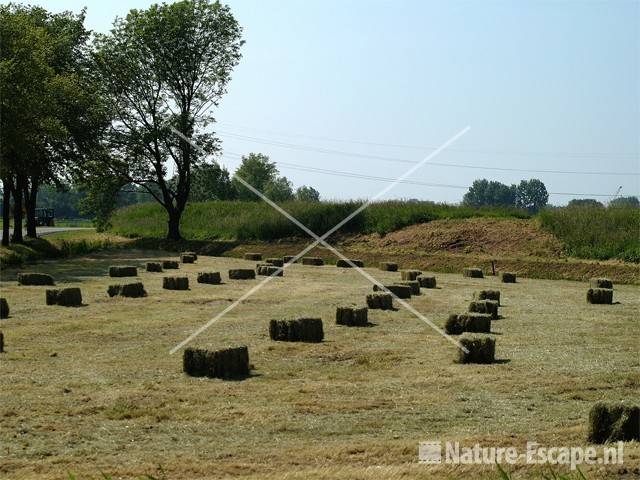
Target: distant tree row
[[531, 194], [616, 202]]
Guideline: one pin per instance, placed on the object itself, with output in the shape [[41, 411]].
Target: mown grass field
[[94, 389]]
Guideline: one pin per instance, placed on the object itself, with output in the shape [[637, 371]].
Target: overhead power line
[[329, 151]]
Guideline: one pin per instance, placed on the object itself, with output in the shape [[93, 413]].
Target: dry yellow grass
[[94, 388]]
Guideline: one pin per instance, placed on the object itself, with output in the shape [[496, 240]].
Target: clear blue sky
[[544, 85]]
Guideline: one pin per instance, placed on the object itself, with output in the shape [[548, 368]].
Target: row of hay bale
[[600, 291]]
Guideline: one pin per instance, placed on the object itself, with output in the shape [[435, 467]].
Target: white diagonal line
[[321, 240]]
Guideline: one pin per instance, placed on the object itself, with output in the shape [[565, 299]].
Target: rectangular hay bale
[[480, 349], [268, 270], [487, 295], [277, 262], [175, 283], [472, 272], [489, 307], [35, 279], [413, 284], [153, 267], [211, 278], [388, 266], [352, 316], [299, 330], [170, 264], [342, 263], [187, 258], [242, 274], [252, 256], [426, 281], [601, 283], [603, 296], [508, 277], [400, 291], [380, 300], [288, 258], [226, 363], [130, 290], [468, 322], [315, 261], [4, 308], [64, 297], [613, 422], [410, 275], [123, 271]]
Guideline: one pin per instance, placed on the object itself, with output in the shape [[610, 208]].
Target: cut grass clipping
[[472, 273], [269, 270], [170, 264], [468, 322], [352, 316], [131, 290], [123, 271], [35, 279], [65, 297], [613, 422], [389, 266], [600, 296], [413, 285], [508, 277], [175, 283], [380, 301], [426, 281], [487, 295], [345, 264], [601, 283], [489, 307], [253, 256], [242, 274], [154, 267], [212, 278], [4, 308], [410, 275], [298, 330], [226, 363], [481, 349], [312, 261], [400, 291], [187, 258], [278, 262]]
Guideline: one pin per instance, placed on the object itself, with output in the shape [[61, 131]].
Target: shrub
[[4, 308], [600, 296], [123, 271], [299, 330], [410, 274], [379, 300], [472, 273], [65, 297], [154, 267], [468, 322], [352, 316], [389, 266], [609, 422], [480, 349], [35, 279], [226, 363], [212, 278], [132, 290], [242, 274], [345, 264], [426, 281], [175, 283], [508, 277]]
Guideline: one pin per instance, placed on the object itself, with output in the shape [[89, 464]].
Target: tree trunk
[[17, 209], [173, 232], [6, 210], [30, 197]]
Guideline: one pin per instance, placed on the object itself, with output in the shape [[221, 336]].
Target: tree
[[307, 194], [531, 195], [210, 181], [584, 202], [484, 192], [279, 190], [262, 174], [625, 202], [162, 69]]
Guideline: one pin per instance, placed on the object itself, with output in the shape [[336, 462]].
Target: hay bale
[[400, 291], [242, 274], [170, 264], [472, 273], [489, 307], [380, 300], [123, 271], [426, 281], [175, 283], [131, 290], [278, 262], [352, 316], [193, 254], [312, 261], [468, 322], [601, 283], [600, 296], [226, 363], [613, 422], [288, 258], [409, 275], [154, 267], [414, 285], [508, 277], [268, 270], [481, 349], [212, 278], [65, 297], [487, 295], [35, 279], [253, 256], [4, 308], [389, 266], [298, 330], [1, 343], [342, 263], [187, 258]]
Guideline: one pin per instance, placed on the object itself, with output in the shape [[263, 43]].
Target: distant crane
[[617, 193]]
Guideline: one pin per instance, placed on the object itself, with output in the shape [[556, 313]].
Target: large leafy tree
[[165, 68], [625, 202], [484, 192], [210, 181], [307, 194], [531, 195]]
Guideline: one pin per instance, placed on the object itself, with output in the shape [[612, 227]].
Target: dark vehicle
[[44, 217]]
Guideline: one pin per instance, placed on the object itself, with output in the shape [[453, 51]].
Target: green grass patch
[[259, 221], [599, 233]]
